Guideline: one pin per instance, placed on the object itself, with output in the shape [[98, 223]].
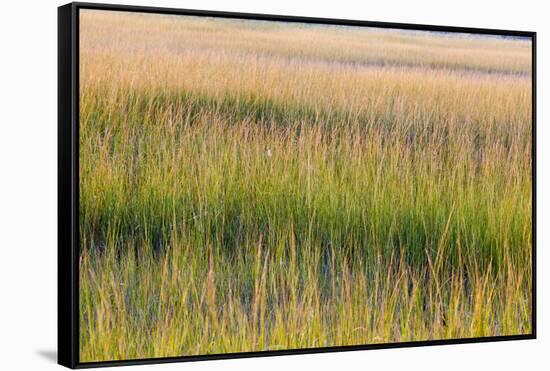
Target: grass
[[263, 186]]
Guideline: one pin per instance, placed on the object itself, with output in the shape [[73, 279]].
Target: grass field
[[249, 186]]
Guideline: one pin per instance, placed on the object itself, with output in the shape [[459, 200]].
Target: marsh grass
[[251, 187]]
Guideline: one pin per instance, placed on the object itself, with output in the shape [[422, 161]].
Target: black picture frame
[[68, 180]]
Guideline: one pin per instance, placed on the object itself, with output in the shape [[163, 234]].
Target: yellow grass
[[252, 186]]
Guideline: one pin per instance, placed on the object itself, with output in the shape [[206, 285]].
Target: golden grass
[[249, 186]]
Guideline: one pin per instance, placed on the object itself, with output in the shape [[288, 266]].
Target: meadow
[[249, 186]]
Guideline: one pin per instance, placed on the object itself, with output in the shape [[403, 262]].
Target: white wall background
[[28, 165]]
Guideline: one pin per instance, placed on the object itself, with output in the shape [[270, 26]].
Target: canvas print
[[249, 185]]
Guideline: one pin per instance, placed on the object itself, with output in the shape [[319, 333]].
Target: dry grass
[[249, 186]]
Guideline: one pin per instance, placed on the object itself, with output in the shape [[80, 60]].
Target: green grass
[[343, 235], [218, 219]]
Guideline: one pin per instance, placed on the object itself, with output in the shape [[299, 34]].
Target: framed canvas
[[238, 185]]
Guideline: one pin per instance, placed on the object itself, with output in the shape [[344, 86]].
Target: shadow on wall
[[50, 355]]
